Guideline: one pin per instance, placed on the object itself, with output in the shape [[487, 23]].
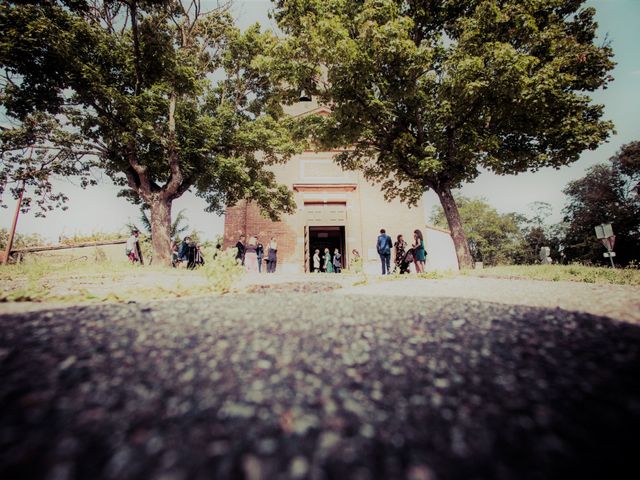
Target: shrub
[[355, 266], [221, 269]]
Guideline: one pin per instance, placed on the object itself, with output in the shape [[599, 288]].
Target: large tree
[[605, 195], [165, 97], [428, 93], [494, 238]]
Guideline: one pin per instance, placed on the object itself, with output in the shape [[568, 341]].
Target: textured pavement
[[319, 386], [621, 302]]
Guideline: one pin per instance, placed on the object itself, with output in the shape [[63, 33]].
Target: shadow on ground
[[315, 386]]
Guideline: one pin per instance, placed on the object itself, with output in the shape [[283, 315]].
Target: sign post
[[604, 232]]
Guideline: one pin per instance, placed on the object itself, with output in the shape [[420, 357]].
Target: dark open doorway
[[331, 237]]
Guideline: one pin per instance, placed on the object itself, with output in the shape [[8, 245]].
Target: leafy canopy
[[494, 238], [604, 195], [163, 95], [428, 93]]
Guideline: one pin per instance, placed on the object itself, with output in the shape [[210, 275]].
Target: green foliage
[[179, 224], [604, 195], [494, 238], [164, 96], [627, 160], [427, 94], [538, 232], [20, 240], [221, 269], [355, 265], [92, 237], [568, 273], [33, 152]]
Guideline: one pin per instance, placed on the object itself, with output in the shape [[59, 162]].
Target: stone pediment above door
[[324, 187], [325, 214]]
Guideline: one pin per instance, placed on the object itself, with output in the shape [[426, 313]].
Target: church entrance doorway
[[330, 237]]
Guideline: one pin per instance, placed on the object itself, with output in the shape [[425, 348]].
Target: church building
[[335, 209]]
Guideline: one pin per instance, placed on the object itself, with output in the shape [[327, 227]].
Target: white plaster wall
[[441, 253]]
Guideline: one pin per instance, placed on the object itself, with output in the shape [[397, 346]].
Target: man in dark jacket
[[383, 246], [240, 250], [184, 249], [260, 254]]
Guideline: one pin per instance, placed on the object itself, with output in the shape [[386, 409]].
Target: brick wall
[[245, 218]]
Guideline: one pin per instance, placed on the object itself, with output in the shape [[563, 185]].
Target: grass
[[41, 280], [556, 273]]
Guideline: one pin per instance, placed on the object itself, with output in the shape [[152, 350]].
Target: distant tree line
[[608, 193]]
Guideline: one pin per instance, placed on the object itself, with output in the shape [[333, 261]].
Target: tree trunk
[[161, 230], [455, 225]]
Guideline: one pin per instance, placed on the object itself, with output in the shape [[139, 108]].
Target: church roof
[[320, 110]]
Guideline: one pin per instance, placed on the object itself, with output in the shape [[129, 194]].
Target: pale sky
[[99, 209]]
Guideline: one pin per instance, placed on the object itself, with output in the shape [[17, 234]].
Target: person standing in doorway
[[272, 255], [420, 256], [260, 253], [328, 266], [384, 250], [240, 250], [316, 261], [251, 256], [401, 249], [337, 261]]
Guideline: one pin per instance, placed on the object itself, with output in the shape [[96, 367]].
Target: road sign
[[604, 230], [609, 254], [609, 242]]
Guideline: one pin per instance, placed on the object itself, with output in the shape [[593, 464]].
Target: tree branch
[[176, 178], [136, 45]]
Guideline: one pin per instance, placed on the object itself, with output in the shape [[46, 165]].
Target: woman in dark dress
[[401, 248], [420, 251], [272, 255]]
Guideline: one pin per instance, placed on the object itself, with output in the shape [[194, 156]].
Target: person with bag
[[401, 248]]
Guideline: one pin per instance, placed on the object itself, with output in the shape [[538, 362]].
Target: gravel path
[[621, 302], [317, 386]]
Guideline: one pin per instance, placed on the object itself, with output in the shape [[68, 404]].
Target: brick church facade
[[334, 209]]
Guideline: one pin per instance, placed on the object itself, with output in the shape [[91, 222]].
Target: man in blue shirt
[[384, 250], [184, 249]]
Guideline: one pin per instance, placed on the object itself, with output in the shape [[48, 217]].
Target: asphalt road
[[320, 386]]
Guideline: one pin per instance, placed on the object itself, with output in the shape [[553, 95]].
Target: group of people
[[327, 263], [186, 253], [251, 254], [404, 256]]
